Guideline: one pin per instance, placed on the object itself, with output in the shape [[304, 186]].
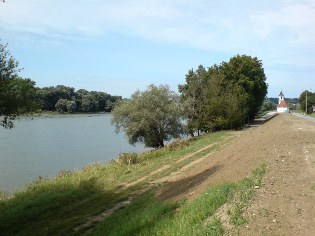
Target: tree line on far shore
[[19, 95], [65, 99]]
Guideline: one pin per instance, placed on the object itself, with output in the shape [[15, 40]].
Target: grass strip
[[147, 216], [245, 192]]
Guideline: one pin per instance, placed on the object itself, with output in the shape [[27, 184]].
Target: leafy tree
[[194, 93], [102, 99], [45, 98], [78, 98], [108, 106], [61, 105], [225, 104], [268, 105], [89, 103], [153, 116], [64, 105], [71, 106], [248, 73], [49, 96], [16, 94], [225, 95], [310, 101]]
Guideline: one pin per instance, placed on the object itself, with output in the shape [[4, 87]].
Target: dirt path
[[285, 204]]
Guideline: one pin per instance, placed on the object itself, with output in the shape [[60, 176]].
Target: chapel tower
[[282, 105]]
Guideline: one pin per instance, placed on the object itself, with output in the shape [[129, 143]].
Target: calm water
[[45, 145]]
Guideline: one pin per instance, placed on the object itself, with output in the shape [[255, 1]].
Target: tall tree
[[248, 73], [16, 94], [194, 94], [225, 104], [152, 116], [310, 101], [225, 95]]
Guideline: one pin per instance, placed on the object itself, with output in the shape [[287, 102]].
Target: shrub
[[178, 144], [128, 158]]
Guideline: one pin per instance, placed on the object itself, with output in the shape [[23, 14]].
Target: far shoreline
[[55, 113]]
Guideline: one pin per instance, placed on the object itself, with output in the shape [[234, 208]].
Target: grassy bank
[[63, 204], [146, 216]]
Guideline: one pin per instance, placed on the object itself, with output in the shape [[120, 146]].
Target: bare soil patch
[[285, 204]]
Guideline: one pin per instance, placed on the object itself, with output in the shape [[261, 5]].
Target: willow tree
[[152, 116]]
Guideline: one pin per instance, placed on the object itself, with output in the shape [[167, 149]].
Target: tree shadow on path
[[184, 186]]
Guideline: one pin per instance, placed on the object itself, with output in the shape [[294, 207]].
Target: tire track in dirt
[[167, 166], [108, 212]]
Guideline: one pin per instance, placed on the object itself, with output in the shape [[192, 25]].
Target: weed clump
[[128, 158], [178, 144]]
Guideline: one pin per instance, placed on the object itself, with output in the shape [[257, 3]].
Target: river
[[43, 146]]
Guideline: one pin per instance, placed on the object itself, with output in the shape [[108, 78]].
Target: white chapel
[[282, 105]]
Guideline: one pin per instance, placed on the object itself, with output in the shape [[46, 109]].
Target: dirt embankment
[[285, 204]]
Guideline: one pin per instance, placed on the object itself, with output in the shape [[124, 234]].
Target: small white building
[[282, 105]]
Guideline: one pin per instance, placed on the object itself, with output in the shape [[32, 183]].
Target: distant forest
[[65, 99], [288, 100]]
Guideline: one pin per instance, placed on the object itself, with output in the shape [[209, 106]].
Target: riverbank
[[239, 182], [76, 201]]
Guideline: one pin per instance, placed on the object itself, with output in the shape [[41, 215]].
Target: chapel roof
[[283, 104]]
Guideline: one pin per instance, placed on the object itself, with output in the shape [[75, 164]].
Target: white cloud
[[214, 25], [278, 32], [294, 19]]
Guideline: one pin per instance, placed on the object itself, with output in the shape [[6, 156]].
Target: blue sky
[[124, 45]]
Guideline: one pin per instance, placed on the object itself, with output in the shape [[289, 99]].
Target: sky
[[120, 46]]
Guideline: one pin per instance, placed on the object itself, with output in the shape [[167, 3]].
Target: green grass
[[313, 187], [148, 216], [56, 206], [50, 207]]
